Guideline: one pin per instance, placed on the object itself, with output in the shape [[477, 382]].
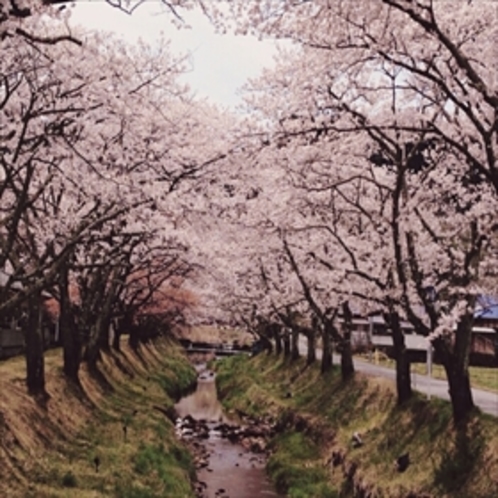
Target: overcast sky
[[220, 63]]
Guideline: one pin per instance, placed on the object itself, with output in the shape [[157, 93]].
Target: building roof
[[487, 307]]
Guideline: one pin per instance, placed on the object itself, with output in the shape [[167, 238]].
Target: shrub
[[69, 480]]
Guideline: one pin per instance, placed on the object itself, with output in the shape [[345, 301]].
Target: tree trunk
[[123, 326], [403, 374], [116, 339], [326, 364], [35, 368], [455, 359], [311, 350], [295, 343], [278, 343], [268, 345], [460, 390], [347, 366], [287, 344], [274, 332], [92, 350], [99, 339], [71, 344], [134, 338], [104, 336]]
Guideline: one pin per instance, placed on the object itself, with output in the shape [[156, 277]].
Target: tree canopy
[[361, 178]]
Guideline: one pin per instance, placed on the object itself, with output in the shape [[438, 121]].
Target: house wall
[[11, 342]]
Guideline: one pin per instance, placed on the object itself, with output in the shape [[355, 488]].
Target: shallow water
[[232, 471]]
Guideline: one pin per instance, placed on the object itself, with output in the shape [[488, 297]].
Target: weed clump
[[69, 480]]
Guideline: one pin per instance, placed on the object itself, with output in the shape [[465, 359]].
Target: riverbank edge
[[110, 436], [344, 439]]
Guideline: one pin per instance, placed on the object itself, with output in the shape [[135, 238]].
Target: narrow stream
[[229, 470]]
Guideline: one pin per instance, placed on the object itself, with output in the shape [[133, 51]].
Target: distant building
[[485, 333], [371, 332], [486, 313]]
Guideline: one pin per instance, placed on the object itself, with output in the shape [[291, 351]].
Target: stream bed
[[230, 455]]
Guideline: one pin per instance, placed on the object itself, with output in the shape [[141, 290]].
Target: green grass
[[176, 376], [167, 464], [319, 413], [296, 468], [147, 462]]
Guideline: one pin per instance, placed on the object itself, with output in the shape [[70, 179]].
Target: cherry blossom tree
[[96, 136], [411, 84], [363, 178]]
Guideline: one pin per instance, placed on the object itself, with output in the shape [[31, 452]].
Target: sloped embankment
[[342, 439], [108, 437]]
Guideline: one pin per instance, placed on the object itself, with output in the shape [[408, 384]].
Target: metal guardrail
[[220, 349]]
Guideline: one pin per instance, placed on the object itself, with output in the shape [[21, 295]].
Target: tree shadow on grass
[[409, 427], [120, 361], [75, 388], [141, 358], [100, 379], [459, 460]]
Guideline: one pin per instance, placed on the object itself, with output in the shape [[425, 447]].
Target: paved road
[[485, 400]]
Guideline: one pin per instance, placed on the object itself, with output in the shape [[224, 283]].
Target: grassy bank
[[313, 455], [109, 437]]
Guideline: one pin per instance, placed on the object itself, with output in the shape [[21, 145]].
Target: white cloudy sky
[[220, 63]]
